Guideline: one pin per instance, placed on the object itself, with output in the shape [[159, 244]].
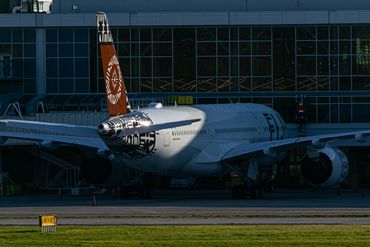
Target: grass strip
[[197, 216], [334, 235]]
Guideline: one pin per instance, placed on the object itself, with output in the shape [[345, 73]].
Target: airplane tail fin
[[115, 89]]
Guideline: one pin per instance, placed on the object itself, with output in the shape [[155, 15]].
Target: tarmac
[[206, 207]]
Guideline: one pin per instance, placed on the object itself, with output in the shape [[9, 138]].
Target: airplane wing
[[58, 128], [270, 148], [58, 139], [73, 134], [87, 131]]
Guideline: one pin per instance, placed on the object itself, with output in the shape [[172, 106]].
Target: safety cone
[[114, 194], [93, 201]]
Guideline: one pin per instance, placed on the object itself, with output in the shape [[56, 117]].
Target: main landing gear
[[139, 188], [247, 190], [251, 183]]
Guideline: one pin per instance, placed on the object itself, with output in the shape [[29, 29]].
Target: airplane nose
[[103, 128]]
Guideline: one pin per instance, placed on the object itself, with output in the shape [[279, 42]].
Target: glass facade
[[18, 59], [238, 63], [67, 61], [329, 65]]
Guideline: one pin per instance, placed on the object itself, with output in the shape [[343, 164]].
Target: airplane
[[179, 141]]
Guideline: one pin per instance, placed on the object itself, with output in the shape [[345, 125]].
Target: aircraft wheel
[[256, 193]]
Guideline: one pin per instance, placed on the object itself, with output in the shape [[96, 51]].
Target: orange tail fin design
[[117, 100]]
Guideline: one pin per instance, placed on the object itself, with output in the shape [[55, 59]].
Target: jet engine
[[327, 167], [102, 171]]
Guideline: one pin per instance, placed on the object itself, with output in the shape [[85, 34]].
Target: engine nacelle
[[103, 172], [328, 168]]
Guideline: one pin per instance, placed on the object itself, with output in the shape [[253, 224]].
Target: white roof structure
[[81, 13], [65, 6]]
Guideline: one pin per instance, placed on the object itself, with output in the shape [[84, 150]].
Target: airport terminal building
[[271, 52]]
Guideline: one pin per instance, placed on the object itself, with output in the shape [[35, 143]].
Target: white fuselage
[[195, 150]]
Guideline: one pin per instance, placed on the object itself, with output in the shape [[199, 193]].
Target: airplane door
[[272, 125], [167, 138], [281, 127]]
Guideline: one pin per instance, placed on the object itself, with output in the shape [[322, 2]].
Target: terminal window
[[6, 66]]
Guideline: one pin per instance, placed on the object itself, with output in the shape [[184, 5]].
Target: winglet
[[114, 84]]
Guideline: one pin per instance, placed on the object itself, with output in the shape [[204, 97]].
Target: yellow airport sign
[[48, 223], [180, 100]]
